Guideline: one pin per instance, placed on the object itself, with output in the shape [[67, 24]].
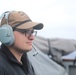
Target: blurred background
[[58, 16]]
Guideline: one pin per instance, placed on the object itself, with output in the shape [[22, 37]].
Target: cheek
[[20, 40], [21, 44]]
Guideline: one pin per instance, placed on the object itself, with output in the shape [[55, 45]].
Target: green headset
[[6, 31]]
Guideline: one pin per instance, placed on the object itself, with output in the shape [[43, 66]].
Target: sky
[[58, 16]]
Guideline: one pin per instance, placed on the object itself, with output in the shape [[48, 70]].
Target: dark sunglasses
[[27, 32]]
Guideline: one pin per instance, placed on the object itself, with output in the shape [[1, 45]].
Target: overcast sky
[[58, 16]]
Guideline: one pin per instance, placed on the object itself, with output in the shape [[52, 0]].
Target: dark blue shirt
[[9, 65]]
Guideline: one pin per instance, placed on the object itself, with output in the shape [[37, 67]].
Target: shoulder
[[3, 60], [4, 66]]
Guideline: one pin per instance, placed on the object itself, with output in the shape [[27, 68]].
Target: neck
[[17, 54]]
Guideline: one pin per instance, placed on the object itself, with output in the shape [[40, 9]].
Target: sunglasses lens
[[27, 32]]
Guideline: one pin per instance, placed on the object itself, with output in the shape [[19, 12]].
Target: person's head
[[17, 29]]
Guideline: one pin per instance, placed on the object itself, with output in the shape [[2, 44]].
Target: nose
[[31, 37]]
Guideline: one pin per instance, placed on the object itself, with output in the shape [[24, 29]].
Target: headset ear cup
[[6, 35]]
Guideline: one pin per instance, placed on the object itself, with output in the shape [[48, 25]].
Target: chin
[[28, 50]]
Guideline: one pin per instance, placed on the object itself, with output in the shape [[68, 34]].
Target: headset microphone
[[35, 51]]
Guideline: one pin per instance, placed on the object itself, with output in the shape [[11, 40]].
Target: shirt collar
[[11, 57]]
